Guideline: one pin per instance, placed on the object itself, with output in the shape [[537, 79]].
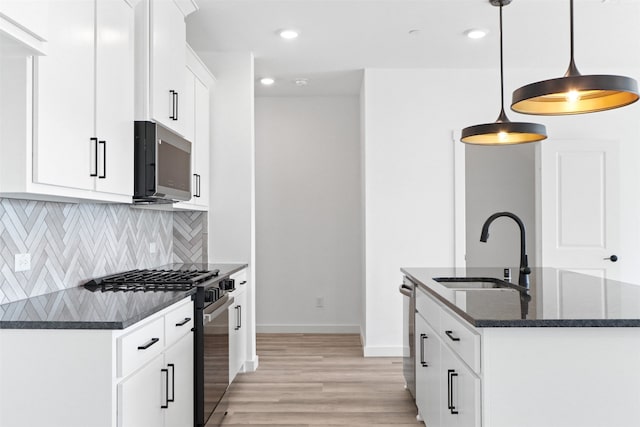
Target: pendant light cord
[[501, 65], [503, 116], [571, 26], [572, 70]]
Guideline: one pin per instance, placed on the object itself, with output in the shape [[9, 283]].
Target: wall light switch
[[152, 248], [22, 262]]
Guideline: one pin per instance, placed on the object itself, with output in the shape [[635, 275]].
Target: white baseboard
[[370, 351], [251, 365], [308, 329]]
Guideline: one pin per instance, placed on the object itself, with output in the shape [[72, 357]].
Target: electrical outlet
[[319, 302], [152, 248], [22, 262]]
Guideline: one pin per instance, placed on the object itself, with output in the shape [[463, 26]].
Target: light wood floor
[[320, 380]]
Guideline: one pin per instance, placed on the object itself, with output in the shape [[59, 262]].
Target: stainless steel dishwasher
[[407, 288], [215, 322]]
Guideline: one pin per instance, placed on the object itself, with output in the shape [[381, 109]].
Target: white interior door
[[579, 206]]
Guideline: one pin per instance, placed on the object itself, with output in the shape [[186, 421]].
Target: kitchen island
[[564, 353]]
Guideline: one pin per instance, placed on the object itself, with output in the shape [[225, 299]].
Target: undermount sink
[[466, 283]]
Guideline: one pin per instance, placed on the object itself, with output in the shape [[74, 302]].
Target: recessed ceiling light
[[288, 34], [301, 81], [267, 81], [414, 32], [476, 33]]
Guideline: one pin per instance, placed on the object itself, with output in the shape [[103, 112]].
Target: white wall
[[232, 209], [308, 206], [500, 179], [409, 118]]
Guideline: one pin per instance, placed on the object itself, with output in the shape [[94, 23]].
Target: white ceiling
[[339, 38]]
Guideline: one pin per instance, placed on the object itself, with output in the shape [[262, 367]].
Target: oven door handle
[[215, 309]]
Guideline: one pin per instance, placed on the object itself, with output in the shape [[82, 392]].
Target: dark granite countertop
[[78, 308], [556, 298]]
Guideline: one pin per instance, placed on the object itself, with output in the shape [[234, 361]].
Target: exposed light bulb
[[502, 136], [267, 81], [573, 96]]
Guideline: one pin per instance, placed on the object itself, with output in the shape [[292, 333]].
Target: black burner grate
[[152, 280]]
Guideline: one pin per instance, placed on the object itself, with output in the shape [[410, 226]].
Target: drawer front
[[461, 339], [428, 308], [178, 322], [240, 278], [140, 346]]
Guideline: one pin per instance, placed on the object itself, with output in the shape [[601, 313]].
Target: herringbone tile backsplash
[[71, 243]]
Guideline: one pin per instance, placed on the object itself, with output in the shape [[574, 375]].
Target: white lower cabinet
[[460, 391], [179, 362], [141, 376], [238, 326], [139, 397], [428, 368], [447, 389]]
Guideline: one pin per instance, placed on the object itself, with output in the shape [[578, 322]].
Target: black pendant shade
[[575, 93], [503, 131]]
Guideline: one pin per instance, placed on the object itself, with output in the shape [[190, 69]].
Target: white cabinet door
[[167, 68], [427, 373], [460, 389], [141, 397], [237, 334], [187, 106], [201, 156], [64, 98], [114, 96], [179, 362]]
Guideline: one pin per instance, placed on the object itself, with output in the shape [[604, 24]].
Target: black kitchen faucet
[[523, 277]]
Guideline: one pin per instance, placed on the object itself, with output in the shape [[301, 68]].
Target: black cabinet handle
[[176, 95], [612, 258], [95, 149], [148, 344], [244, 282], [199, 185], [166, 389], [104, 159], [450, 335], [422, 361], [173, 383], [450, 393], [184, 322], [450, 406]]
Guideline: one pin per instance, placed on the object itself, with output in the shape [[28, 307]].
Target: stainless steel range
[[211, 331]]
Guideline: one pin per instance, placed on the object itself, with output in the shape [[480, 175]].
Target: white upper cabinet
[[161, 78], [196, 107], [114, 96], [64, 99], [84, 98], [67, 117]]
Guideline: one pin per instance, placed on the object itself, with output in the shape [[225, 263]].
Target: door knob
[[612, 258]]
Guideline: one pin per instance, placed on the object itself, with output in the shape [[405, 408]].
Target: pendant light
[[575, 93], [503, 131]]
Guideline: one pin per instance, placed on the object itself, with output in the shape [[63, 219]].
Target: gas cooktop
[[151, 280]]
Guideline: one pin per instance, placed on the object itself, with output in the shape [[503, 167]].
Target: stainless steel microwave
[[162, 165]]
